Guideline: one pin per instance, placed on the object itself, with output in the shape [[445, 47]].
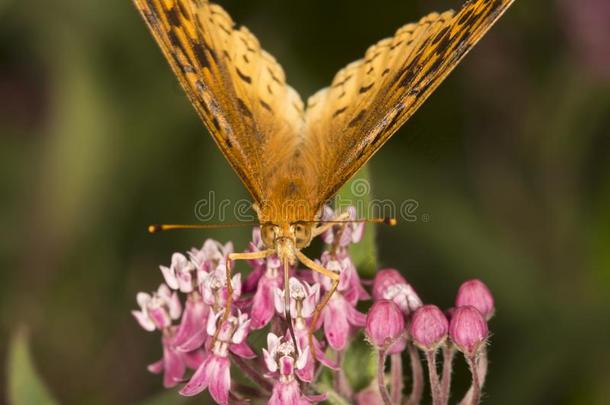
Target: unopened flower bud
[[389, 284], [429, 327], [475, 293], [385, 326], [468, 329]]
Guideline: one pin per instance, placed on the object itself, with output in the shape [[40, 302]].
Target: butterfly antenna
[[387, 221], [156, 228]]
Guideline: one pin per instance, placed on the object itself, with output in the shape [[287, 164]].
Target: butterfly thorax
[[286, 238]]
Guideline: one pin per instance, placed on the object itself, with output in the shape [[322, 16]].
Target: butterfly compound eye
[[302, 234], [268, 232]]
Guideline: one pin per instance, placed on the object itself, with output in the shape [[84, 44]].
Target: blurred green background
[[509, 160]]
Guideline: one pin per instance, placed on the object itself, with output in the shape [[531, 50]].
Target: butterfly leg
[[229, 274], [334, 284]]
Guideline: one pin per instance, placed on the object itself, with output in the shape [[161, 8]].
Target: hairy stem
[[476, 385], [481, 363], [396, 382], [435, 387], [333, 397], [381, 378], [341, 384], [448, 354], [417, 373], [249, 371]]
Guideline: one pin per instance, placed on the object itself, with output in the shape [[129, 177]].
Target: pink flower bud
[[389, 284], [385, 326], [468, 329], [429, 327], [475, 293]]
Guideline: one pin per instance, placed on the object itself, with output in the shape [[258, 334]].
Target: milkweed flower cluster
[[204, 349]]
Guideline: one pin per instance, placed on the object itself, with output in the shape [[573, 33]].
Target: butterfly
[[291, 156]]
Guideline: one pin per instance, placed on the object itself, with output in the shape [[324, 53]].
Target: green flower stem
[[480, 360]]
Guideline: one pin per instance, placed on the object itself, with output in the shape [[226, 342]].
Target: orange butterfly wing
[[370, 99], [237, 88]]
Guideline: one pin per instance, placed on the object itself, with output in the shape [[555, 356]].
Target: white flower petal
[[143, 299], [236, 283], [175, 308], [295, 284], [170, 277], [278, 300], [228, 248], [242, 331], [309, 306], [212, 321], [185, 281], [144, 321], [302, 360], [273, 342], [179, 261], [256, 237], [164, 292], [269, 361], [314, 291]]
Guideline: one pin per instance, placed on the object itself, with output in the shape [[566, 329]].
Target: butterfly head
[[286, 238]]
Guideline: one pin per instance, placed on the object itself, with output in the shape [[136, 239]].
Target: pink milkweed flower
[[476, 293], [343, 234], [174, 362], [303, 300], [307, 373], [263, 301], [389, 284], [214, 371], [385, 327], [429, 327], [179, 275], [213, 287], [468, 329], [211, 255], [350, 284], [282, 361], [339, 316], [191, 333], [157, 310], [280, 357]]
